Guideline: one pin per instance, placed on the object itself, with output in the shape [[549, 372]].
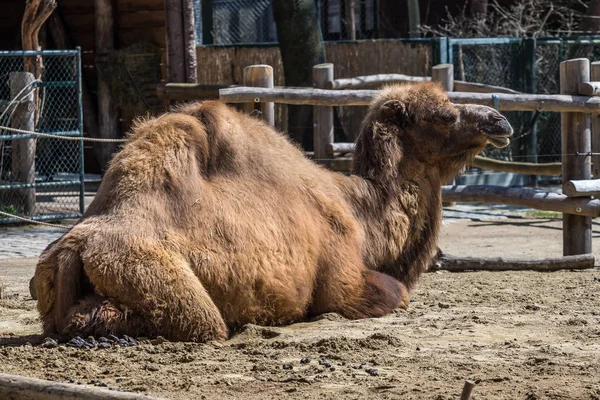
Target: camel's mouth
[[498, 141]]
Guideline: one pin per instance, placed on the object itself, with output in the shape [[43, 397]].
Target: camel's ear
[[394, 111]]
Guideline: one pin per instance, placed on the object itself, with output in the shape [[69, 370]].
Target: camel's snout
[[494, 126]]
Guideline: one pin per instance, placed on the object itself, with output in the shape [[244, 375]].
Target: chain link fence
[[252, 21], [40, 178]]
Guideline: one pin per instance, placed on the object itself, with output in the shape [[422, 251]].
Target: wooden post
[[595, 121], [107, 113], [23, 153], [414, 19], [322, 115], [576, 138], [444, 73], [260, 76], [189, 35]]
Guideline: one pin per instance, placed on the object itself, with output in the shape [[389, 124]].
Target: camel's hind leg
[[157, 286]]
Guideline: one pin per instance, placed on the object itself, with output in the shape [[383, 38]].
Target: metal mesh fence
[[252, 21], [40, 178]]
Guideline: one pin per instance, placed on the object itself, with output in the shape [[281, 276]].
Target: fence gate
[[41, 176]]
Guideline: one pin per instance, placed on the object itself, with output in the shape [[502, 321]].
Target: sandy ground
[[519, 335]]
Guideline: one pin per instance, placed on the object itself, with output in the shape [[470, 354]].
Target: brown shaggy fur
[[208, 219]]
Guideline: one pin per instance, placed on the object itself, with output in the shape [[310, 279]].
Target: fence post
[[530, 86], [576, 139], [23, 151], [440, 51], [444, 73], [322, 115], [260, 76], [595, 121]]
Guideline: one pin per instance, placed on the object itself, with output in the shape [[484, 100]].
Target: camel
[[208, 219]]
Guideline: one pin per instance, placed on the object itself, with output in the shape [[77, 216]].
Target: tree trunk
[[350, 20], [301, 49], [479, 8], [591, 21]]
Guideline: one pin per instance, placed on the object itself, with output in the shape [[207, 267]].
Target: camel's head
[[421, 123]]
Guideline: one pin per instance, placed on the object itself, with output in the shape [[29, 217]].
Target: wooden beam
[[576, 138], [189, 45], [544, 169], [189, 91], [371, 80], [320, 97], [470, 87], [547, 201], [462, 264], [589, 88], [582, 188], [16, 387], [108, 121]]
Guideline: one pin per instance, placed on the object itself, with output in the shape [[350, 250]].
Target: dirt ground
[[519, 335]]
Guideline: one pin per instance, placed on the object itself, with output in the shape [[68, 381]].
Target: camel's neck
[[400, 219]]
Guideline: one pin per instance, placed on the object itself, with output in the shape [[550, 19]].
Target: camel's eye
[[445, 116]]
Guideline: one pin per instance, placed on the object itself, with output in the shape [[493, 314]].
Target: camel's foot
[[382, 295]]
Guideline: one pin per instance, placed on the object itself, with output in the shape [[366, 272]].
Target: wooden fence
[[576, 101]]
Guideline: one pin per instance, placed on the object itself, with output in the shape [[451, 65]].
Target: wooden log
[[189, 91], [506, 102], [373, 80], [589, 88], [23, 151], [595, 126], [16, 387], [462, 264], [582, 188], [576, 138], [444, 74], [539, 200], [108, 121], [471, 87], [260, 76], [322, 115], [543, 169]]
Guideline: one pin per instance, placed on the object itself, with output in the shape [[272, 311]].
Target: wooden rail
[[461, 264], [360, 82], [522, 197], [189, 91], [323, 97]]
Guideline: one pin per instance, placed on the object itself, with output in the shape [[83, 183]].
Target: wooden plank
[[373, 80], [507, 102], [470, 87], [462, 264], [539, 200], [576, 138], [582, 188], [16, 387], [322, 115]]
